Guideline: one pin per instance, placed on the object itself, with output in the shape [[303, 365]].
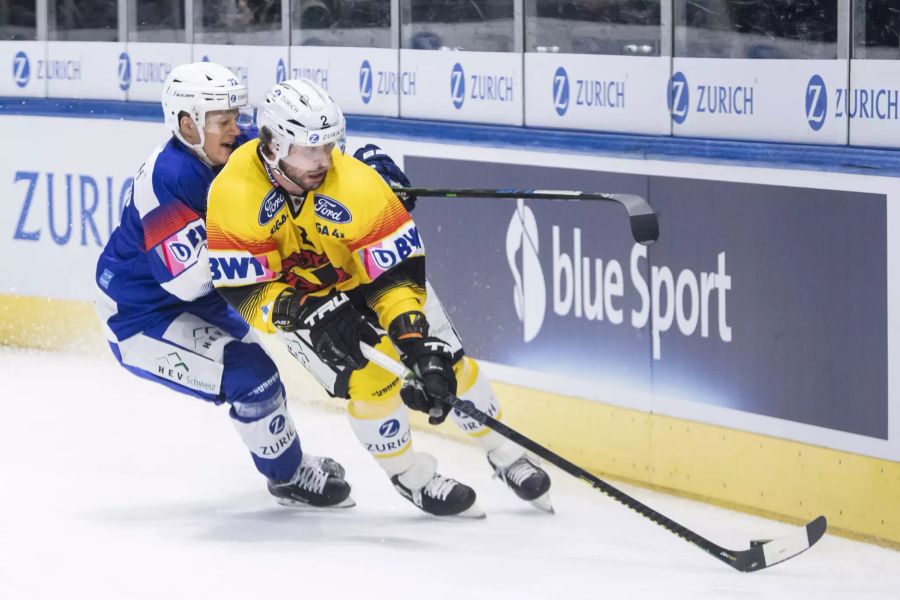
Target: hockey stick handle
[[644, 226], [754, 559], [467, 408]]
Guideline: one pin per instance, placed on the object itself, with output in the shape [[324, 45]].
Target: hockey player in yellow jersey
[[314, 246]]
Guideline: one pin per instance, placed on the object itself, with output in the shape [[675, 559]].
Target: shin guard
[[272, 441], [383, 430]]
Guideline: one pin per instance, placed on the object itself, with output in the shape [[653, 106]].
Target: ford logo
[[332, 210], [271, 204]]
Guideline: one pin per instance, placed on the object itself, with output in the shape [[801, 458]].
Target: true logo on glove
[[329, 306]]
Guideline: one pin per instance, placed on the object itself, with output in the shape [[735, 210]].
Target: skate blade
[[543, 503], [473, 512], [347, 503]]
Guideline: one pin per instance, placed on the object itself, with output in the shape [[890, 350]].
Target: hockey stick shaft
[[754, 559], [644, 225]]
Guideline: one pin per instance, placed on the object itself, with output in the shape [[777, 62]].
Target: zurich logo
[[124, 71], [332, 210], [280, 71], [313, 138], [457, 85], [530, 291], [679, 97], [365, 81], [271, 204], [816, 102], [390, 428], [21, 69], [561, 91], [276, 425]]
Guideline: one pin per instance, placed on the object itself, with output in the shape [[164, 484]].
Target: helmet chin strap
[[196, 148], [273, 168]]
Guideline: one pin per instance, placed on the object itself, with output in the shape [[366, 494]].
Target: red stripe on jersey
[[217, 239], [164, 221], [387, 223]]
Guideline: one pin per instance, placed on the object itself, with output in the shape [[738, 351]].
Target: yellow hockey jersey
[[351, 233]]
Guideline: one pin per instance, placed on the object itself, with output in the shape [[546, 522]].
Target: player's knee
[[373, 384], [250, 382]]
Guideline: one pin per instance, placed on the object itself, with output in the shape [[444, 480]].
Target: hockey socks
[[272, 440]]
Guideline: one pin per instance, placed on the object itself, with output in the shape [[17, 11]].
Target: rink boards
[[750, 357]]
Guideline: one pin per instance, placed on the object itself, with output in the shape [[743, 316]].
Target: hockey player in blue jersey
[[163, 318]]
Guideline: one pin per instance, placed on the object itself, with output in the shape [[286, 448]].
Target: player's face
[[307, 165], [219, 135]]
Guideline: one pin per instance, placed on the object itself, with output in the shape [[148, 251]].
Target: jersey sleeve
[[245, 267], [174, 232], [385, 251]]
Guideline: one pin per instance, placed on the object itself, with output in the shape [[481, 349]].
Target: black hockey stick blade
[[644, 225], [754, 559]]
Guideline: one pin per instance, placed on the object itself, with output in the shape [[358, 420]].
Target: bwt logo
[[276, 425], [678, 97], [365, 81], [457, 85], [816, 102], [124, 71], [530, 292], [21, 69], [182, 252], [390, 428], [280, 71], [561, 91]]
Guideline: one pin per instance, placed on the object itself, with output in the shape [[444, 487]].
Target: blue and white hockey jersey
[[155, 265]]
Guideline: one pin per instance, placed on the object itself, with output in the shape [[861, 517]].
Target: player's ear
[[188, 128]]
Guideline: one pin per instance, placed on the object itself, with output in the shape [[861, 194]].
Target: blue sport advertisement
[[764, 299]]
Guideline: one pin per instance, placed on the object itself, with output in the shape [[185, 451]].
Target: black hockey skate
[[527, 480], [319, 482], [434, 493]]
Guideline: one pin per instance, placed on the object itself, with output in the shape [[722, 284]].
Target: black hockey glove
[[431, 362], [335, 327], [375, 157]]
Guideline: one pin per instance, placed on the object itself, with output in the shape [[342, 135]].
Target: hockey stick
[[644, 226], [759, 556]]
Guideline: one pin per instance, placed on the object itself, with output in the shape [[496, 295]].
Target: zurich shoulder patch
[[271, 204], [332, 210]]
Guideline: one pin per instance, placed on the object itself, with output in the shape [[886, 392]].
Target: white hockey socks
[[475, 388], [272, 441], [383, 430]]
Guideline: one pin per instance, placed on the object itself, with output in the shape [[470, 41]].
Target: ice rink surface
[[116, 488]]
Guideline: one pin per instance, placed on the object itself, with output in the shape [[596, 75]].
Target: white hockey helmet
[[298, 111], [199, 88]]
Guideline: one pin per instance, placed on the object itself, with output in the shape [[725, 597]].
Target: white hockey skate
[[434, 493], [318, 482]]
